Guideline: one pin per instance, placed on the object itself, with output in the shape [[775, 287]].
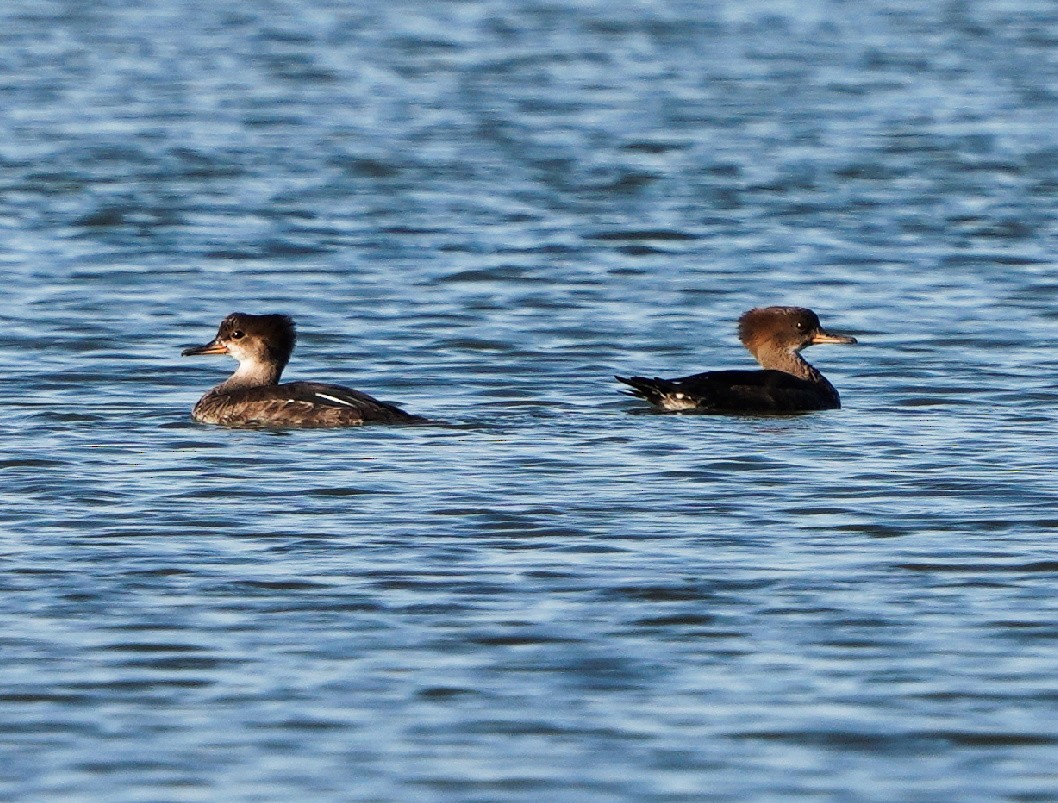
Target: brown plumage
[[789, 384], [253, 397]]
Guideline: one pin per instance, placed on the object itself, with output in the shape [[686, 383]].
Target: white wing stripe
[[335, 399]]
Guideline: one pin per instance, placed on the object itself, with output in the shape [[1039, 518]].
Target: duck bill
[[822, 336], [213, 347]]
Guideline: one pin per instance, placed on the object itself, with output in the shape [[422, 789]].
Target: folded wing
[[310, 404], [732, 391]]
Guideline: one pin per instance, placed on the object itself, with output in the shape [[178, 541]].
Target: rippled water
[[482, 210]]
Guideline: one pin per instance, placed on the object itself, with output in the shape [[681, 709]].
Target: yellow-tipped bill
[[822, 336], [213, 347]]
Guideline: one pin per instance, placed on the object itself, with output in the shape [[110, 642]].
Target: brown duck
[[775, 336], [253, 397]]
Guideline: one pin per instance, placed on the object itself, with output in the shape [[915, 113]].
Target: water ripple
[[484, 211]]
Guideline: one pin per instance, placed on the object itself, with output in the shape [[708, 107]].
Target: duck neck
[[252, 374], [789, 361]]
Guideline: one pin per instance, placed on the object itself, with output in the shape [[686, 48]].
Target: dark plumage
[[788, 384], [252, 396]]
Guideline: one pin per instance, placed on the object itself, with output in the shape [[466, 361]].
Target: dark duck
[[253, 397], [775, 336]]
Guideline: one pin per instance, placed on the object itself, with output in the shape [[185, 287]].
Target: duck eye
[[800, 325], [238, 334]]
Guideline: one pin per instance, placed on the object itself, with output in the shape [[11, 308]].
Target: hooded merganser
[[253, 397], [788, 384]]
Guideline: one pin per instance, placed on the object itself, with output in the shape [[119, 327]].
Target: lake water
[[483, 210]]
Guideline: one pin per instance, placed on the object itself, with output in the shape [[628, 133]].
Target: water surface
[[483, 210]]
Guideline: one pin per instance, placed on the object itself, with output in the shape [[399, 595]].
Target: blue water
[[481, 211]]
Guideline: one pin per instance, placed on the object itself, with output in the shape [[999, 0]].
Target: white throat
[[253, 373]]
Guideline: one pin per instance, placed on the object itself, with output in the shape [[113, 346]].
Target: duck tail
[[652, 390]]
